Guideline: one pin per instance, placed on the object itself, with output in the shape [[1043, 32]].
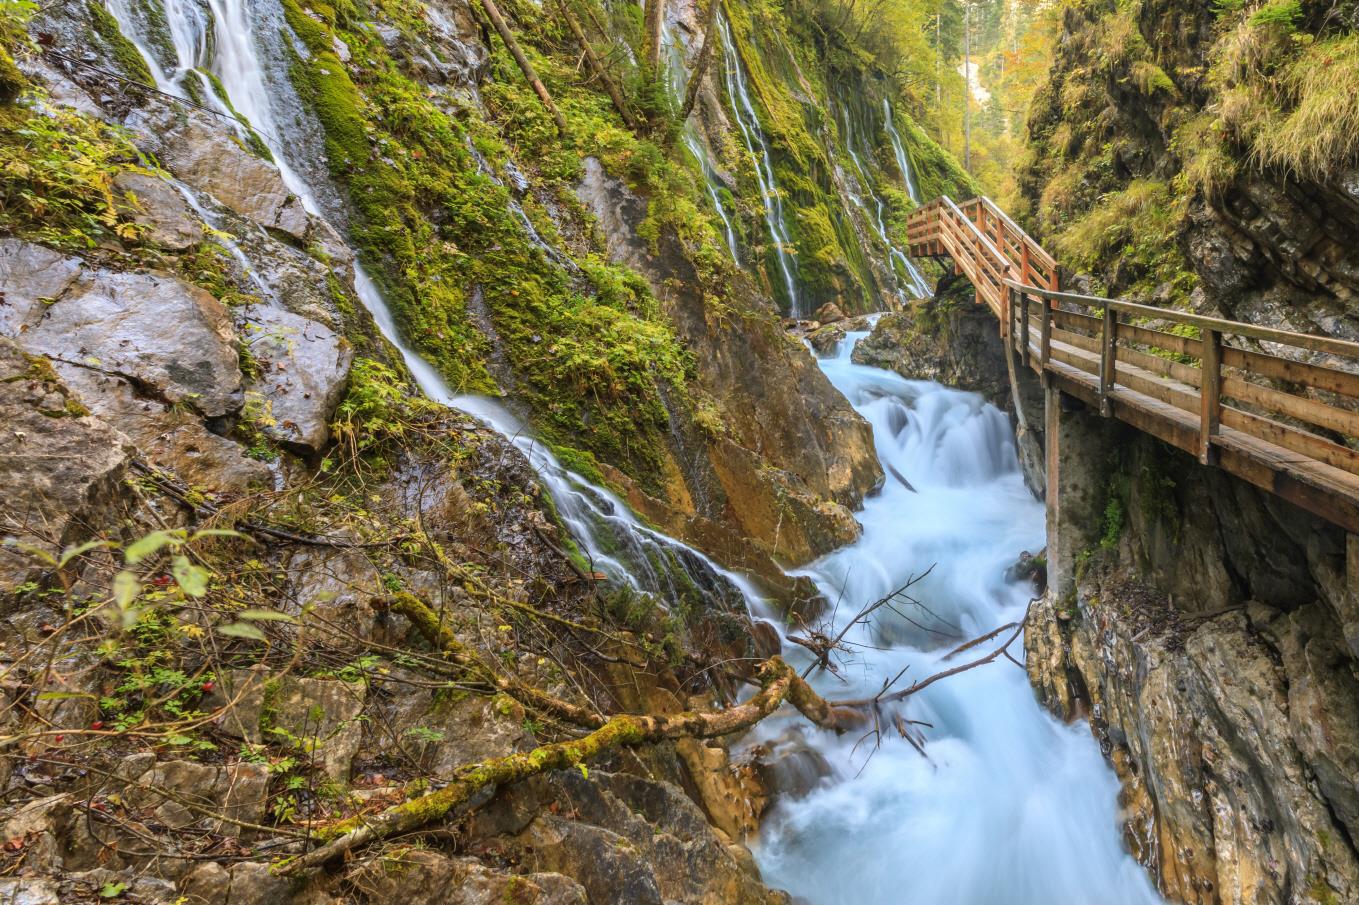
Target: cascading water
[[903, 160], [753, 134], [677, 81], [1011, 807], [914, 278], [611, 537]]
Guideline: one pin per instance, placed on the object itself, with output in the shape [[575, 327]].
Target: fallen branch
[[778, 683]]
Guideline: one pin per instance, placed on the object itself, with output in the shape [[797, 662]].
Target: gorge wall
[[1178, 155]]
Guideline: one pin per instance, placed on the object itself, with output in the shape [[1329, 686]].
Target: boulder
[[239, 791], [62, 470], [445, 732], [167, 337], [829, 313], [303, 369], [250, 882], [159, 208]]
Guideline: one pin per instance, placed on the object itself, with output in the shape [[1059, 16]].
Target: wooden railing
[[1274, 407]]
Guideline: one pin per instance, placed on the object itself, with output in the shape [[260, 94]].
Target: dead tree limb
[[705, 53], [597, 66], [778, 683], [503, 29]]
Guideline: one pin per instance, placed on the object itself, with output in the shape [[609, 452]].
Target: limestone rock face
[[61, 469], [169, 338], [789, 436], [201, 153], [430, 877], [303, 373], [160, 210], [1208, 640]]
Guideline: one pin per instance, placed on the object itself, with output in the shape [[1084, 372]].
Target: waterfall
[[915, 280], [753, 135], [903, 161], [677, 81], [610, 536], [1006, 804]]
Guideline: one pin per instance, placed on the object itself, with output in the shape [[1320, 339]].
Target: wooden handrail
[[1287, 425]]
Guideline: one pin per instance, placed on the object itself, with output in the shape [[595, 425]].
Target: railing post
[[1108, 360], [1045, 334], [1023, 326], [1210, 398]]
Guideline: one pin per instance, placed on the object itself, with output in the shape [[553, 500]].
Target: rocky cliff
[[255, 583]]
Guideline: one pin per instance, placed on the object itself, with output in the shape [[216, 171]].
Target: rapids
[[1008, 806]]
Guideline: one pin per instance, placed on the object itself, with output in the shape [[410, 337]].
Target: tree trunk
[[497, 20], [655, 16], [705, 53], [597, 66]]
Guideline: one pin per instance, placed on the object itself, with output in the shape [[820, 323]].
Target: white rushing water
[[749, 123], [1011, 807]]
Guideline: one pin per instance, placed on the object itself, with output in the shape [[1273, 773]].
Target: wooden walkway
[[1275, 408]]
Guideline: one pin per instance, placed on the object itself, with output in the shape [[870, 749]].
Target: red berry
[[58, 738], [97, 724], [208, 687]]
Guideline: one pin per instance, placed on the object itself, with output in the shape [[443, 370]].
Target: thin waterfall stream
[[1010, 808]]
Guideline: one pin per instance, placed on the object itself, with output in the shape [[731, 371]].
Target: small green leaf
[[192, 580], [584, 771], [71, 553], [216, 532], [126, 587], [265, 616], [141, 549], [242, 630], [63, 695], [112, 890]]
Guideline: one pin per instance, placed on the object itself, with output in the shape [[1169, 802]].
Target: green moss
[[125, 54]]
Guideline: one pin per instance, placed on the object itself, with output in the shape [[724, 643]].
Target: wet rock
[[239, 791], [160, 210], [166, 436], [829, 313], [213, 884], [444, 732], [424, 876], [169, 338], [29, 891], [31, 276], [789, 766], [197, 150], [62, 470], [303, 370]]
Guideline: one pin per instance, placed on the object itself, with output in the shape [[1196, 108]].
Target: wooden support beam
[[1024, 327], [1108, 360], [1210, 395]]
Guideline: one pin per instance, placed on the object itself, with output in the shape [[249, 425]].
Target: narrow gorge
[[692, 451]]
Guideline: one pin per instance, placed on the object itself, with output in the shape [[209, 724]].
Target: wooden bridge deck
[[1273, 407]]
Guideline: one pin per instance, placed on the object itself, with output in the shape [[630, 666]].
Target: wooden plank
[[1317, 376], [1299, 441], [1210, 395], [1159, 339], [1078, 340], [1310, 410], [1186, 374], [1076, 320]]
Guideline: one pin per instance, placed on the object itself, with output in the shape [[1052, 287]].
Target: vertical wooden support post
[[1210, 398], [1024, 326], [1108, 360], [1045, 335]]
